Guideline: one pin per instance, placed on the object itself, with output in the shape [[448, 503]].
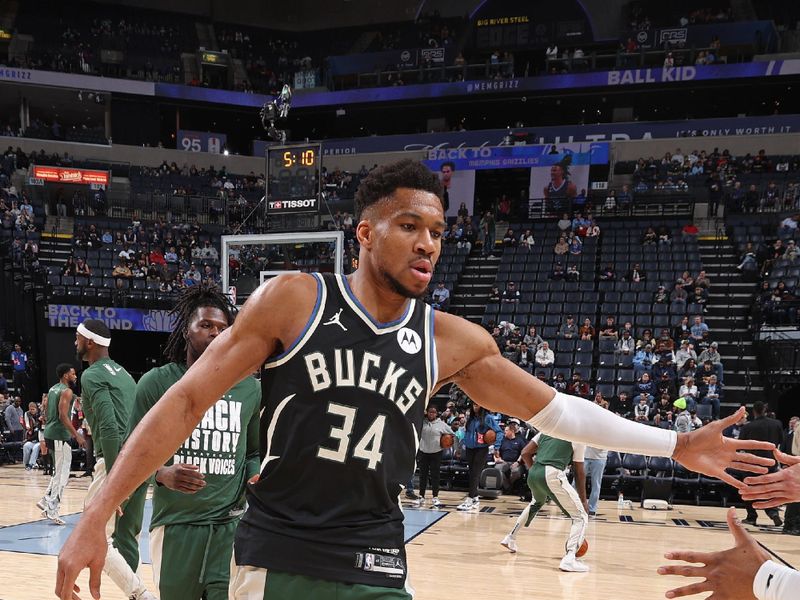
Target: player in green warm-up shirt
[[199, 494], [108, 393], [58, 430], [547, 479]]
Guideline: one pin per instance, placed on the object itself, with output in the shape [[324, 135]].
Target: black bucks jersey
[[343, 411]]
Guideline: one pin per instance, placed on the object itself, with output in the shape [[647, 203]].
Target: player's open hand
[[85, 547], [181, 477], [728, 574], [707, 451], [775, 489]]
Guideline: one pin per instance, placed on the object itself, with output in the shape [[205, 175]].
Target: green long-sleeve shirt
[[108, 393]]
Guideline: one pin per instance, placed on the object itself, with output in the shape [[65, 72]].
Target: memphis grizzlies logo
[[409, 340]]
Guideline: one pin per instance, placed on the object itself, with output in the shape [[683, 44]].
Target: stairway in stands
[[727, 318], [472, 291], [56, 243]]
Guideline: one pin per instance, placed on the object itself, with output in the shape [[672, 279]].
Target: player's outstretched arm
[[274, 314], [469, 357]]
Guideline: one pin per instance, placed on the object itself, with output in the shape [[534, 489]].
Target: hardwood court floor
[[460, 555]]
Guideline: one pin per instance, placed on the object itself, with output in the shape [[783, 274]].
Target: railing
[[623, 60], [422, 74], [644, 205], [155, 205]]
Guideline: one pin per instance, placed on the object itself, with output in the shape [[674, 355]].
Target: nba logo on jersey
[[409, 340]]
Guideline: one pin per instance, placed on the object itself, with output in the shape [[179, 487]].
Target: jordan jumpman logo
[[336, 320]]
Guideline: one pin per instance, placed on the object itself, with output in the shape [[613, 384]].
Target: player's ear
[[364, 232]]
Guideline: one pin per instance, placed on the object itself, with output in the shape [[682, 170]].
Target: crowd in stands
[[751, 183], [772, 259], [670, 356]]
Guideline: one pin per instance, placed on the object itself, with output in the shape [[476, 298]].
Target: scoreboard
[[293, 179]]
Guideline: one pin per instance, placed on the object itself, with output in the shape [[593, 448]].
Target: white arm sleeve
[[776, 582], [578, 420]]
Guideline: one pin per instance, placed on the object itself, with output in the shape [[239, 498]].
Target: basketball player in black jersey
[[350, 363]]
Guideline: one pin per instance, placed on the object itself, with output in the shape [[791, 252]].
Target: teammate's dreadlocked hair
[[191, 299]]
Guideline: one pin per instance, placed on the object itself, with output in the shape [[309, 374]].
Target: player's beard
[[399, 287]]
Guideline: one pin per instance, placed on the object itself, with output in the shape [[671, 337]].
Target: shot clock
[[293, 179]]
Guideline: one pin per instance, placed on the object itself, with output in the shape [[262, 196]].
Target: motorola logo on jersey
[[409, 340]]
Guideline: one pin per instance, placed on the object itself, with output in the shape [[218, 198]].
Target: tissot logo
[[409, 340], [289, 204]]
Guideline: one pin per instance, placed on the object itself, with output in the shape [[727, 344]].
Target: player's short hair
[[63, 369], [448, 163], [385, 180]]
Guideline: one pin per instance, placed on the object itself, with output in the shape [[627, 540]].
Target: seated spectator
[[544, 356], [568, 329], [622, 405], [664, 236], [645, 340], [440, 297], [698, 329], [526, 239], [703, 281], [609, 330], [507, 455], [127, 253], [644, 383], [661, 296], [561, 247], [559, 383], [664, 366], [650, 237], [532, 339], [82, 268], [689, 391], [711, 393], [792, 251], [171, 257], [564, 223], [607, 274], [524, 357], [578, 387], [494, 294], [626, 326], [664, 342], [511, 293], [626, 344], [665, 383], [699, 296], [641, 410], [575, 245], [683, 329], [572, 274], [711, 355], [586, 331], [69, 267], [557, 274], [122, 270], [593, 230], [678, 294], [684, 353], [508, 239], [643, 361], [662, 412], [636, 274], [599, 400], [688, 368]]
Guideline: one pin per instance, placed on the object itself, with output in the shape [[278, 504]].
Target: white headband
[[95, 337]]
